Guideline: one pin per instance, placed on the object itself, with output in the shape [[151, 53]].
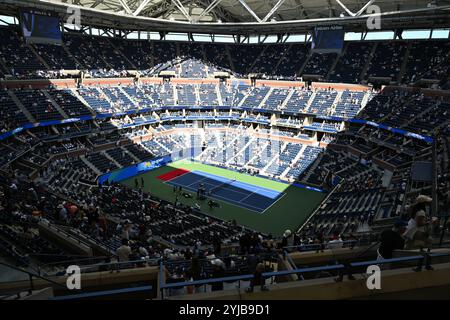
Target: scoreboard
[[327, 39], [40, 27]]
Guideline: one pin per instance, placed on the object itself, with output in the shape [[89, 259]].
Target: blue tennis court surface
[[235, 192]]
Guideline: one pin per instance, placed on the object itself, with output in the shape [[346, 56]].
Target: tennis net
[[221, 186]]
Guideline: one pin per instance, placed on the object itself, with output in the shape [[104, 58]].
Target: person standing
[[124, 251], [392, 239]]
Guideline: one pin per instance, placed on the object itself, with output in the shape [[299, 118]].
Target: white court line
[[215, 196], [257, 210], [265, 191], [197, 181], [231, 201], [246, 197], [282, 196], [176, 176]]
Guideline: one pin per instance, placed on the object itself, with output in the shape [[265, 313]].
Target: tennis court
[[255, 198]]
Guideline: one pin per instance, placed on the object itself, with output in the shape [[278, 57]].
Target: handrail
[[118, 263], [303, 270], [248, 276], [30, 125], [102, 293], [68, 261], [31, 275], [314, 246], [206, 281], [265, 275], [289, 259], [384, 261], [439, 254]]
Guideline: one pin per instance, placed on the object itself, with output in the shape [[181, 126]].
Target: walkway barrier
[[100, 294], [119, 265], [317, 247], [420, 258]]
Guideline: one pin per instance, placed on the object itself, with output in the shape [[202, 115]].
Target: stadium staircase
[[336, 61], [275, 158], [66, 49], [311, 169], [3, 68], [178, 143], [230, 60], [196, 94], [258, 153], [38, 56], [90, 165], [364, 70], [285, 102], [296, 159], [175, 94], [258, 58], [122, 55], [57, 106], [275, 67], [163, 146], [21, 106], [404, 63], [418, 116], [103, 95], [122, 91], [219, 96], [309, 55], [335, 103], [110, 158], [364, 101], [242, 150], [75, 93], [263, 101], [310, 101]]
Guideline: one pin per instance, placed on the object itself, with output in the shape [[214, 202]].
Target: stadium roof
[[246, 16]]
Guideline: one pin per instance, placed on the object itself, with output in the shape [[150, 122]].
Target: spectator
[[392, 240], [258, 279], [421, 203], [288, 239], [335, 242], [218, 272], [417, 234], [124, 251], [62, 215]]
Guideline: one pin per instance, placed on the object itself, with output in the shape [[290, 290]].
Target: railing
[[78, 260], [102, 294], [385, 261], [421, 258], [31, 277], [319, 246], [303, 270], [119, 265]]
